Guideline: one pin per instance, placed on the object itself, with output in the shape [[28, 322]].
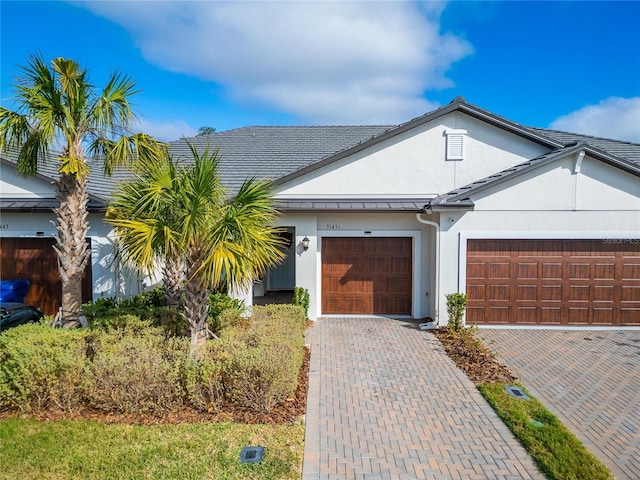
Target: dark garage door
[[366, 275], [553, 282], [35, 260]]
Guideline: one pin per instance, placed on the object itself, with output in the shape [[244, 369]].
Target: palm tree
[[142, 213], [58, 108], [224, 242]]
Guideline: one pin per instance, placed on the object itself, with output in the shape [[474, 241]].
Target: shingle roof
[[280, 153], [627, 150], [274, 152]]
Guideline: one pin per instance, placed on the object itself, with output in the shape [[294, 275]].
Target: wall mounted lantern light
[[305, 243]]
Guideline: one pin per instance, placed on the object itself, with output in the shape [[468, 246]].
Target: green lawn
[[558, 453], [32, 449]]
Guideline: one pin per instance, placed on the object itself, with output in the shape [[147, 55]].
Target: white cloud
[[165, 131], [337, 62], [614, 117]]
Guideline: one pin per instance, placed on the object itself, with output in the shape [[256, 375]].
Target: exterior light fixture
[[305, 243]]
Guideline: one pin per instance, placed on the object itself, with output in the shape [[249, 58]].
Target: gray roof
[[627, 150], [274, 152], [282, 153]]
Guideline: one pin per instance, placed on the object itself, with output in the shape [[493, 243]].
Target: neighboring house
[[538, 227]]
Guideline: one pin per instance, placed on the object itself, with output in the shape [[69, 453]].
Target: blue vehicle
[[13, 314]]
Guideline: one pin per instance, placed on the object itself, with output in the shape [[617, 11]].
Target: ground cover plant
[[556, 451]]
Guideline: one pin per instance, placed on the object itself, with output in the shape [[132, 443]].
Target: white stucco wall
[[413, 164], [18, 186]]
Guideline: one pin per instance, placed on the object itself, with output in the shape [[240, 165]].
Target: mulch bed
[[473, 358], [284, 413]]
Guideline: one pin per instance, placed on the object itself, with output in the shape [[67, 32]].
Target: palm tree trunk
[[71, 245], [196, 303], [173, 276]]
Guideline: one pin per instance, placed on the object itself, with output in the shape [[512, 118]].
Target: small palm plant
[[223, 242]]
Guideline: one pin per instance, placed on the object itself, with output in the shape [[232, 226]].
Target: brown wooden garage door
[[366, 275], [553, 282], [35, 260]]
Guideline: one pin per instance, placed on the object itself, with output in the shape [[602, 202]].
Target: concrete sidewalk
[[386, 402]]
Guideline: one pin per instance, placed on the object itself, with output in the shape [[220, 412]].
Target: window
[[455, 144]]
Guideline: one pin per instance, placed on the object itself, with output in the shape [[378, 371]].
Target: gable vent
[[455, 144]]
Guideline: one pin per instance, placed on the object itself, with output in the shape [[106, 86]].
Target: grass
[[556, 451], [32, 449]]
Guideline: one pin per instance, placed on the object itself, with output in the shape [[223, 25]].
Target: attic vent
[[455, 144]]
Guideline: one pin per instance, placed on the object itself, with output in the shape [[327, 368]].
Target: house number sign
[[332, 226], [4, 226]]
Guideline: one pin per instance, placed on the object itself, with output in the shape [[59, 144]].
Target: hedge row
[[136, 368]]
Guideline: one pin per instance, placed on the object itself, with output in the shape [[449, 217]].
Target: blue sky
[[568, 65]]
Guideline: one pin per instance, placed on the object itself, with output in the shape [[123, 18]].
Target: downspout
[[434, 323]]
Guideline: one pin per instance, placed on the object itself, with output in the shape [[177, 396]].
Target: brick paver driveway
[[386, 402], [589, 379]]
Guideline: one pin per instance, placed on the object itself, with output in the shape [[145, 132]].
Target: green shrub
[[135, 369], [264, 356], [108, 312], [203, 377], [41, 367], [220, 302], [456, 305], [301, 298], [124, 364], [258, 377]]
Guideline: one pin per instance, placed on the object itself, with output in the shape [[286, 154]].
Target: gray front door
[[283, 277]]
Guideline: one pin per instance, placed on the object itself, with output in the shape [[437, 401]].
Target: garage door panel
[[526, 315], [527, 293], [499, 293], [574, 282], [629, 316], [550, 315], [630, 294], [551, 271], [366, 275], [551, 293], [603, 293], [476, 270], [500, 270], [631, 272]]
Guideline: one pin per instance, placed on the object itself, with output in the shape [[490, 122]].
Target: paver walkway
[[386, 402], [589, 379]]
